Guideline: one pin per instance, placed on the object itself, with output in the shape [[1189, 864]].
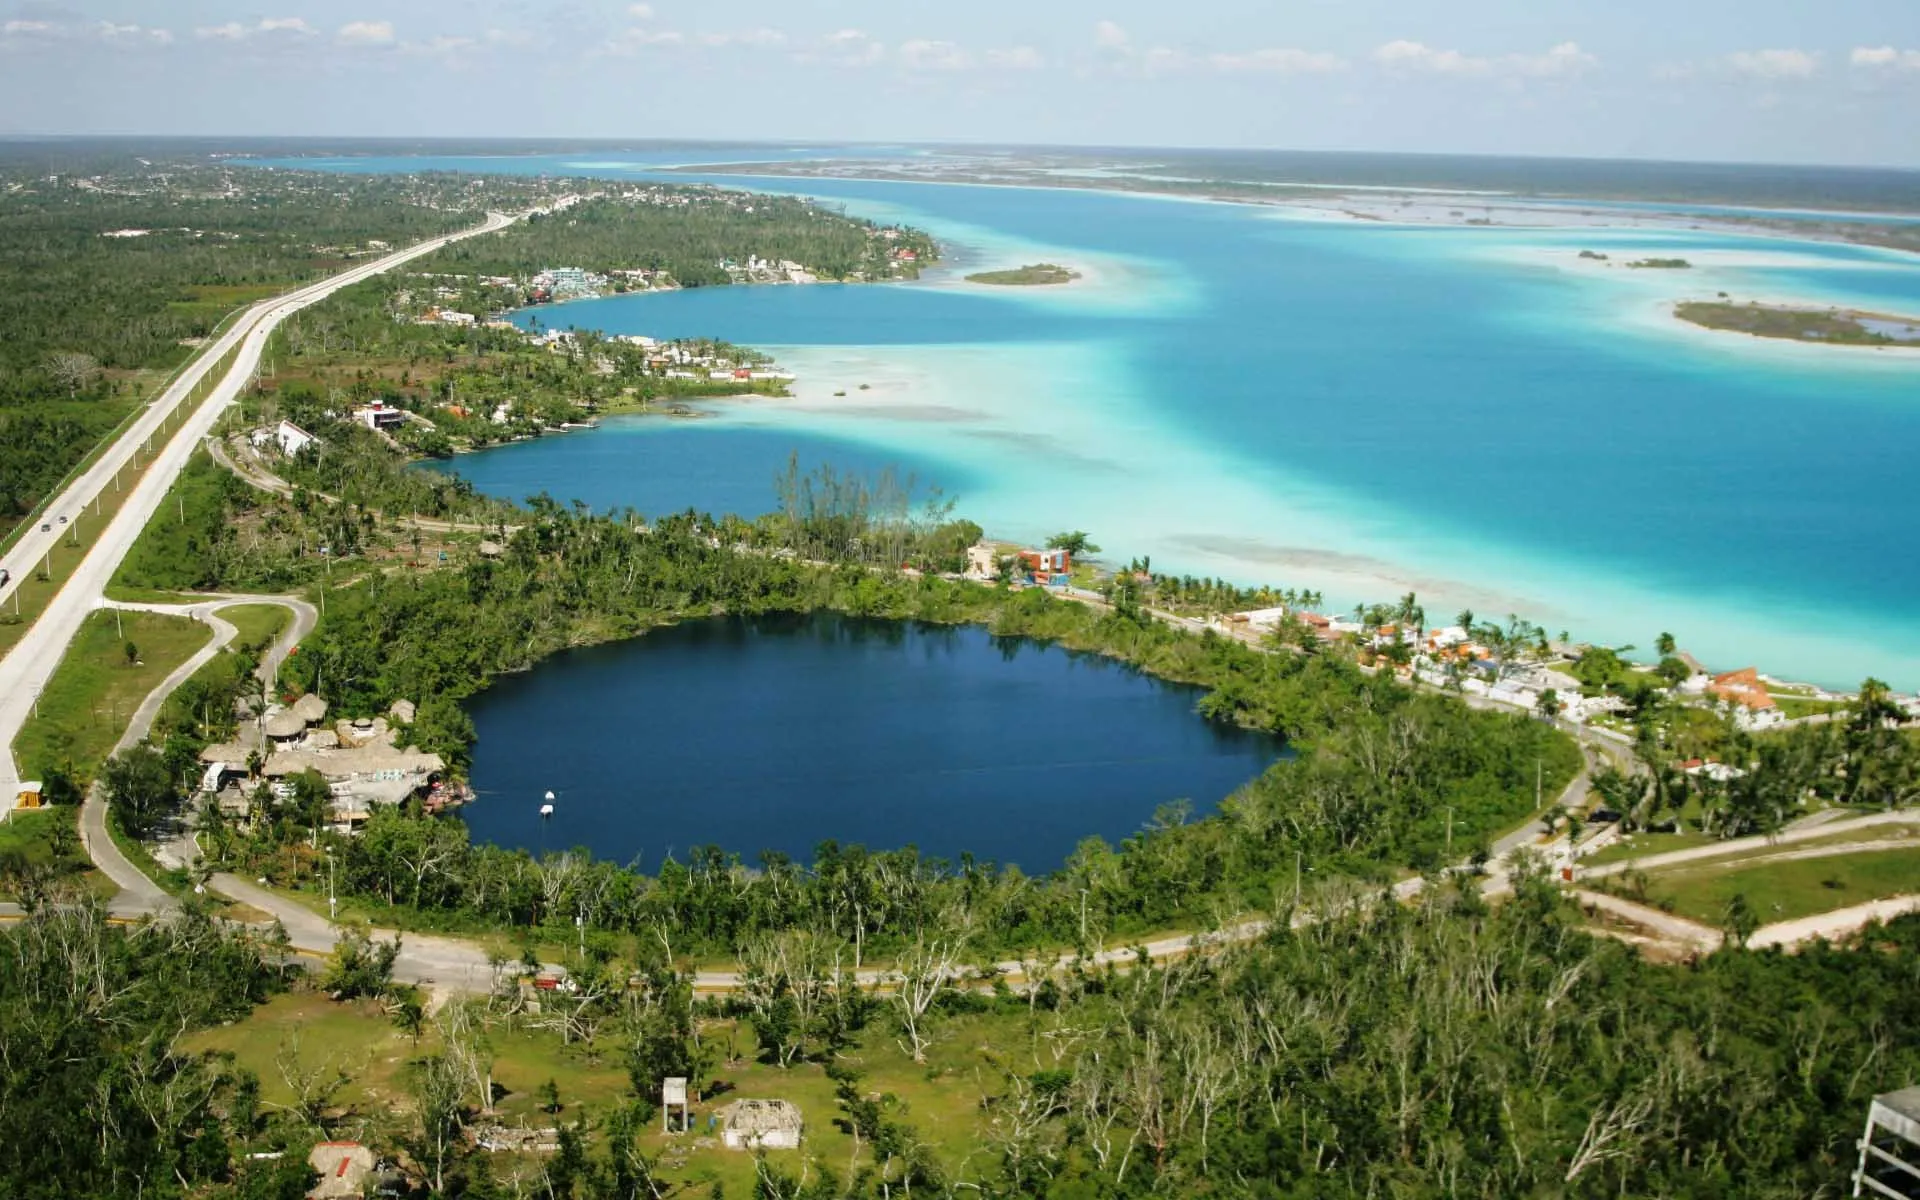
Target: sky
[[1785, 81]]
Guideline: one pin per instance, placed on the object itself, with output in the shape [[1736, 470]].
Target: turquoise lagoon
[[1474, 414]]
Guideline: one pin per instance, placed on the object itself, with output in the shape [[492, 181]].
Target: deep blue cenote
[[779, 732]]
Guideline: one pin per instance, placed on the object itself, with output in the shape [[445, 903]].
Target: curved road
[[138, 893]]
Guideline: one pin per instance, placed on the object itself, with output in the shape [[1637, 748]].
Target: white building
[[290, 438], [378, 416]]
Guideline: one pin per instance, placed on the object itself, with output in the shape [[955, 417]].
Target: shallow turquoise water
[[1471, 413]]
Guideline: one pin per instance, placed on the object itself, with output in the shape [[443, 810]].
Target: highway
[[25, 670]]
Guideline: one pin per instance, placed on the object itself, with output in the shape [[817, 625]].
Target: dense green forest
[[106, 275], [102, 1100], [688, 233]]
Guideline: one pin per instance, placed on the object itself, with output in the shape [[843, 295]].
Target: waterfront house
[[982, 561], [1044, 564], [379, 416]]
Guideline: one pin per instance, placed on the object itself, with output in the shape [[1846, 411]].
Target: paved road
[[1689, 935], [1831, 926], [138, 893], [1747, 845], [31, 663]]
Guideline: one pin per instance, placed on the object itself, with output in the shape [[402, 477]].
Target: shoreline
[[892, 415]]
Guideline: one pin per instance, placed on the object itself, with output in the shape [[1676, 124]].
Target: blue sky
[[1748, 80]]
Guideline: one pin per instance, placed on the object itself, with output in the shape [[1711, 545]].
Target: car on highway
[[5, 575], [46, 527], [63, 520]]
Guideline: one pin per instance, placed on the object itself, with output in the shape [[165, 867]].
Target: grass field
[[942, 1098], [258, 624], [95, 690], [49, 838], [1784, 890]]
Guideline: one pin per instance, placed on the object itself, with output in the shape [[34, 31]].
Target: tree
[[1664, 645], [1076, 543], [360, 966], [1549, 704], [141, 788], [1740, 920], [925, 972], [133, 654], [72, 369], [437, 1089]]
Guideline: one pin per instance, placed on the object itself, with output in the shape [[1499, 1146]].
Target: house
[[1744, 690], [1709, 768], [982, 562], [760, 1125], [343, 1168], [1046, 563], [292, 439], [1263, 618], [32, 794], [285, 729], [378, 416]]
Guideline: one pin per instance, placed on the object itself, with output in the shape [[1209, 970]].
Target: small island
[[1031, 275], [1834, 326], [1661, 264]]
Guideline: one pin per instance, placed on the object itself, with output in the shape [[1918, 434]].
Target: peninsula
[[1834, 326], [1031, 275]]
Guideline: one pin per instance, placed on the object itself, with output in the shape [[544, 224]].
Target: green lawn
[[1781, 891], [1795, 706], [942, 1097], [258, 624], [49, 838], [93, 693], [1639, 845]]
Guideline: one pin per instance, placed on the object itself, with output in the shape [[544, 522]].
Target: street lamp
[[333, 903]]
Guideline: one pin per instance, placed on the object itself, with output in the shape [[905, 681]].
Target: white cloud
[[1886, 56], [1775, 64], [366, 33], [921, 54], [234, 31], [1565, 59], [745, 37], [25, 30], [1280, 61], [640, 12], [1419, 56], [846, 48], [1016, 58], [1109, 36]]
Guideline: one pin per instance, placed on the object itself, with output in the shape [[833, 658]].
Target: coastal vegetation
[[1031, 275], [110, 275], [688, 236], [1660, 264], [1833, 326], [1357, 1045]]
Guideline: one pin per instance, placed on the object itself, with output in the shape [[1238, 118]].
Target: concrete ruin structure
[[760, 1125]]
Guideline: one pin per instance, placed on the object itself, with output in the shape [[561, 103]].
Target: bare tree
[[927, 969], [72, 369]]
